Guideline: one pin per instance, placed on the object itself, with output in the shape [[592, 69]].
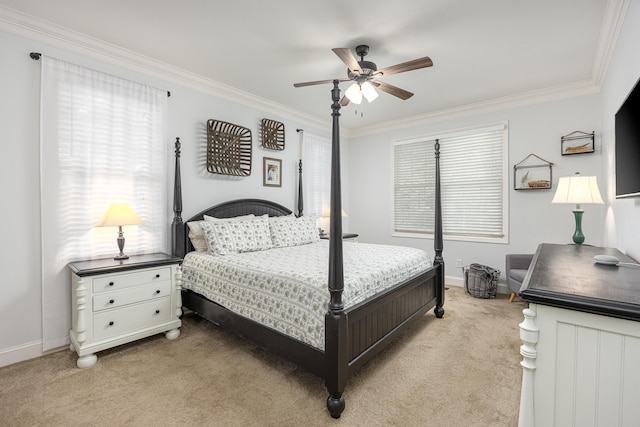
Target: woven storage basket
[[481, 281]]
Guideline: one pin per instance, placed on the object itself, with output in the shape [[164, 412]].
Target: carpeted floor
[[462, 370]]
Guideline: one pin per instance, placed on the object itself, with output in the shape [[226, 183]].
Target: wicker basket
[[481, 281]]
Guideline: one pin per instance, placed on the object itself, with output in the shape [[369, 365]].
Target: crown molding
[[580, 88], [614, 15], [27, 26]]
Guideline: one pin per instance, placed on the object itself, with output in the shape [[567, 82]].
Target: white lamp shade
[[327, 213], [577, 189], [119, 214], [369, 91], [354, 94]]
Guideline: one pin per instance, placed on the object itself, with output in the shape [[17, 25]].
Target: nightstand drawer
[[129, 279], [106, 300], [120, 320]]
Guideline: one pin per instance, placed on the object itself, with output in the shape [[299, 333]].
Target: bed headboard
[[229, 209]]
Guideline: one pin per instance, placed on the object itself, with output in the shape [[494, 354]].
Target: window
[[103, 141], [473, 179], [316, 170]]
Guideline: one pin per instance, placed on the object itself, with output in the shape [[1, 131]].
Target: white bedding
[[286, 288]]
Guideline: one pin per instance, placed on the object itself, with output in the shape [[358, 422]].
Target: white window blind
[[103, 141], [473, 176], [316, 164]]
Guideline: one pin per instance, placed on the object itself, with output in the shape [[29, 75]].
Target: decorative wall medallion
[[228, 149], [272, 134]]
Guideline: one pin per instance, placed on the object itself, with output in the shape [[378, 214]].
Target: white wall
[[534, 128], [623, 216], [189, 109]]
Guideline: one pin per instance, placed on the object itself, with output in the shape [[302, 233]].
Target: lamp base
[[120, 241], [578, 237]]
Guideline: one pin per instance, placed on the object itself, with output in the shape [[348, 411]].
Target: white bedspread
[[286, 288]]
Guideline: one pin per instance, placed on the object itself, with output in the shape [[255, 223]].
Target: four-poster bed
[[353, 333]]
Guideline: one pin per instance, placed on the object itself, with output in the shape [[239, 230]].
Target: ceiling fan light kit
[[365, 75]]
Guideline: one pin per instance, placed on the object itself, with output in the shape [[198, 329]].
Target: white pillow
[[196, 234], [232, 237], [292, 231]]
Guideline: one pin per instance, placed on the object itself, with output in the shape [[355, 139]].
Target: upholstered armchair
[[516, 268]]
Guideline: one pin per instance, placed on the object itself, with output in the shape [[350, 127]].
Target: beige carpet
[[462, 370]]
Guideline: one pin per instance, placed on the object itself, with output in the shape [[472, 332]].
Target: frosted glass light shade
[[369, 91], [354, 94]]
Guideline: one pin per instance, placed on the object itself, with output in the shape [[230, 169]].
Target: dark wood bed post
[[437, 242], [177, 226], [300, 199], [336, 359]]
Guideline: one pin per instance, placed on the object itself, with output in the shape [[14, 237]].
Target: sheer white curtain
[[102, 141], [316, 173]]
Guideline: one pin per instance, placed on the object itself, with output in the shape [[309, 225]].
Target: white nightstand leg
[[87, 361], [172, 334]]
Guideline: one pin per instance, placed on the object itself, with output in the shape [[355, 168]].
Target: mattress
[[286, 288]]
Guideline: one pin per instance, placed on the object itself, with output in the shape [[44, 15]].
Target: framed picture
[[272, 172], [577, 142]]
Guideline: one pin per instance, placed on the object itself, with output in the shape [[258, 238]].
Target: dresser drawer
[[128, 279], [106, 300], [119, 320]]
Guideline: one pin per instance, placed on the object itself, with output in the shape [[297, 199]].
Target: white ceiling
[[481, 50]]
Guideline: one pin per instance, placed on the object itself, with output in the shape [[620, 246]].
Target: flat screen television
[[627, 145]]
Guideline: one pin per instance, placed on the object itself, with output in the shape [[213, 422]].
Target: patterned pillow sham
[[196, 235], [292, 231], [232, 237]]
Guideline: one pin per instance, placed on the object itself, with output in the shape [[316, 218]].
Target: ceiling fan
[[365, 75]]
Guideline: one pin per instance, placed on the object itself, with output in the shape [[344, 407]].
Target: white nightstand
[[116, 302]]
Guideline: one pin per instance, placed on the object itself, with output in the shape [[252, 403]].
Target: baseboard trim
[[23, 352]]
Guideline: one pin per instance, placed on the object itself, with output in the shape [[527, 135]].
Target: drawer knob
[[111, 301], [157, 276], [110, 283], [111, 323], [157, 311], [158, 291]]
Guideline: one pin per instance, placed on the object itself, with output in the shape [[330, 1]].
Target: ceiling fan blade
[[317, 82], [344, 101], [392, 90], [405, 66], [347, 57]]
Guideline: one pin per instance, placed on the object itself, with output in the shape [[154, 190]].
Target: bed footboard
[[373, 326]]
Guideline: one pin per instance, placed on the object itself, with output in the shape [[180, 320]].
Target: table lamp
[[119, 214], [326, 214], [578, 189]]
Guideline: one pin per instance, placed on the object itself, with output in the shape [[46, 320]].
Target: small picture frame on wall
[[272, 172], [577, 142]]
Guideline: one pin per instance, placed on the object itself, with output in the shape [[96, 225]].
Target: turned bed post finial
[[178, 244]]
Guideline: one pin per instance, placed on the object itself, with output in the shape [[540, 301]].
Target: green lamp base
[[578, 237]]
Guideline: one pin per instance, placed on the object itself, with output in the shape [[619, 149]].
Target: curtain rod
[[36, 55]]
